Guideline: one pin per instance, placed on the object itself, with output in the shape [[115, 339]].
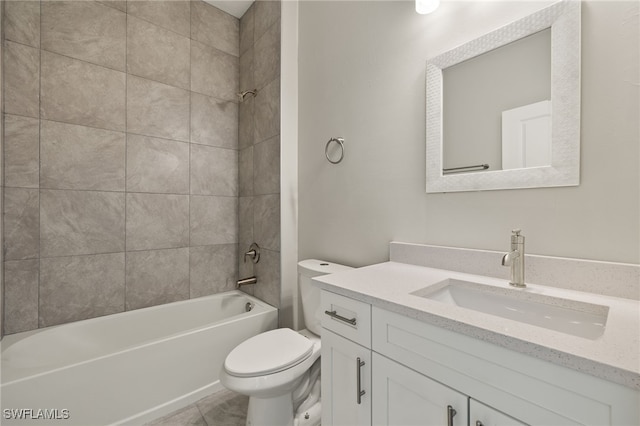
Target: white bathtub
[[126, 368]]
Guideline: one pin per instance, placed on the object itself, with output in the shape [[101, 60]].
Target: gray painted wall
[[362, 77]]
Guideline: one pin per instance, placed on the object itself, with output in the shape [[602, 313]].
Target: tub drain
[[248, 307]]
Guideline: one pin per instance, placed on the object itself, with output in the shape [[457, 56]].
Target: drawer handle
[[335, 315], [450, 414], [359, 365]]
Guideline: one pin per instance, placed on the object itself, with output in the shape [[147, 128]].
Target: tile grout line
[[39, 166], [190, 145], [2, 207], [143, 135], [126, 144]]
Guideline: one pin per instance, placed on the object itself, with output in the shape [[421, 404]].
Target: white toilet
[[279, 369]]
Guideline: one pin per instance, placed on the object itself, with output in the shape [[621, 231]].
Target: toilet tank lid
[[315, 267]]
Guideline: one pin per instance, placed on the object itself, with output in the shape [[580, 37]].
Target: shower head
[[244, 94]]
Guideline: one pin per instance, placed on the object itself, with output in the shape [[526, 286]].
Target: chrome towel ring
[[335, 159]]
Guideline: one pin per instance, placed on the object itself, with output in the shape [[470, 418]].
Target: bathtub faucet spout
[[246, 281]]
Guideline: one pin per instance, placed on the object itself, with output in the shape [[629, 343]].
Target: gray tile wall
[[259, 144], [121, 182]]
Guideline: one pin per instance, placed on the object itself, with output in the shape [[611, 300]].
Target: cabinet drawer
[[523, 387], [347, 317]]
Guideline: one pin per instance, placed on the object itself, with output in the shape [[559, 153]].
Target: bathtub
[[127, 368]]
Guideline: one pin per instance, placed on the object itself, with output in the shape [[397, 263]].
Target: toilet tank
[[310, 294]]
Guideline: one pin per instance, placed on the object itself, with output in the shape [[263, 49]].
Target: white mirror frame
[[564, 20]]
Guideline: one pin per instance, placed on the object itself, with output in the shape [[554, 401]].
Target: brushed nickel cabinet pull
[[450, 414], [359, 365], [335, 315]]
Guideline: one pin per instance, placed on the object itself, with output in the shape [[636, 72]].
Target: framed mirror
[[503, 110]]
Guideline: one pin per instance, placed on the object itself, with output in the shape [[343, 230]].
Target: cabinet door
[[402, 396], [346, 382], [483, 415]]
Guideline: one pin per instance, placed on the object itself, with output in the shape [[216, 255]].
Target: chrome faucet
[[515, 259]]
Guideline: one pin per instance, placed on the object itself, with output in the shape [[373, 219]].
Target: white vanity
[[408, 342]]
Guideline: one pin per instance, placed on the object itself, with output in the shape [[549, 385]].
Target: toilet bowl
[[279, 369]]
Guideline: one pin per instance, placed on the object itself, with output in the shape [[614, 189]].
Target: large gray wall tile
[[267, 166], [116, 4], [21, 295], [21, 223], [245, 175], [213, 72], [267, 56], [266, 12], [80, 287], [266, 221], [85, 30], [21, 151], [77, 92], [156, 109], [246, 29], [214, 122], [212, 26], [213, 269], [214, 220], [81, 222], [247, 68], [214, 171], [268, 273], [245, 217], [246, 125], [245, 235], [173, 15], [157, 221], [157, 276], [79, 157], [157, 53], [157, 165], [21, 79], [267, 112], [22, 22]]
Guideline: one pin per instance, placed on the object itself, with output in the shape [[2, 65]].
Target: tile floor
[[223, 408]]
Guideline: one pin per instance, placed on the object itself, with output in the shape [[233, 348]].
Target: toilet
[[279, 370]]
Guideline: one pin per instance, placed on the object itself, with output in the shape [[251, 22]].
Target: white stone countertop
[[614, 356]]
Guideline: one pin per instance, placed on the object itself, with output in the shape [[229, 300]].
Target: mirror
[[503, 111]]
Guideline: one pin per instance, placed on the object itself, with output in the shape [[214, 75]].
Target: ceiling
[[236, 8]]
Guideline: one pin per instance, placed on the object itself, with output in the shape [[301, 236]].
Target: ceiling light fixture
[[426, 6]]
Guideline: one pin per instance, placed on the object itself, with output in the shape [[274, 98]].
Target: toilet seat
[[268, 353]]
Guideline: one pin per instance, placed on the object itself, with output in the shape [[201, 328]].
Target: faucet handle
[[253, 253], [516, 237]]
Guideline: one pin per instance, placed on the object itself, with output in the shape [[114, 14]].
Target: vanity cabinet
[[483, 415], [346, 381], [404, 397], [415, 373], [345, 361], [504, 387]]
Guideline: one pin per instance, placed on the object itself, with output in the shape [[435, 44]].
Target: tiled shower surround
[[259, 148], [123, 134]]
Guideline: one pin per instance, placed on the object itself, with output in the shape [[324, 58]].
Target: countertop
[[614, 356]]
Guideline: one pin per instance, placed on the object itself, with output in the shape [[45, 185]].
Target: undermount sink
[[564, 315]]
